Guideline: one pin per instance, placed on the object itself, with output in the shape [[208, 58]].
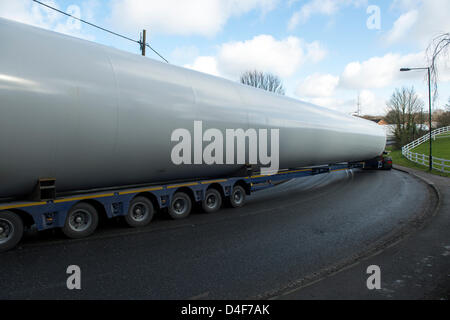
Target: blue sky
[[323, 50]]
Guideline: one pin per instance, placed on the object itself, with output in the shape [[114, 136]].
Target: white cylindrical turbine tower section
[[91, 116]]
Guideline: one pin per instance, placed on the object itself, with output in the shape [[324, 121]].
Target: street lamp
[[429, 104]]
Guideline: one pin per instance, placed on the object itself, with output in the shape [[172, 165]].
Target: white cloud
[[315, 51], [405, 4], [203, 17], [322, 89], [322, 7], [26, 11], [317, 85], [379, 72], [182, 55], [421, 22], [29, 12], [371, 104], [265, 53], [341, 104], [402, 25], [373, 80], [206, 64], [327, 7], [443, 67]]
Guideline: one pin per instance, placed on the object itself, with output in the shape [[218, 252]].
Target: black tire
[[212, 202], [81, 221], [140, 212], [181, 206], [237, 197], [11, 230]]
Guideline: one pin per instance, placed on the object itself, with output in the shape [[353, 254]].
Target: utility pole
[[358, 105], [143, 41], [429, 109]]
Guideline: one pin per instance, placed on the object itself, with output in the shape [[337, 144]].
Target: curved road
[[283, 234]]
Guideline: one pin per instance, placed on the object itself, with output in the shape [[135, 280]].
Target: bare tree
[[405, 112], [439, 46], [263, 80]]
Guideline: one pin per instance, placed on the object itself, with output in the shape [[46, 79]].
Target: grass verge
[[440, 146], [398, 158]]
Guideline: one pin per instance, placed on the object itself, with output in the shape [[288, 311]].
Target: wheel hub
[[237, 196], [80, 220], [211, 201], [6, 230], [179, 206], [139, 212]]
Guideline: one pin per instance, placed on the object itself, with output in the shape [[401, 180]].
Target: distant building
[[389, 129]]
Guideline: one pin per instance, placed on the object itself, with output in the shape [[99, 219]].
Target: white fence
[[439, 164]]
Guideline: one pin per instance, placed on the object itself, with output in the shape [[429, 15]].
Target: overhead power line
[[101, 28], [147, 45]]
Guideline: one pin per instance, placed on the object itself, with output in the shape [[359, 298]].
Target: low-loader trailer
[[78, 215]]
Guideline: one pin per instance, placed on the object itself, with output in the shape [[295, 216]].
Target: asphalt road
[[283, 234]]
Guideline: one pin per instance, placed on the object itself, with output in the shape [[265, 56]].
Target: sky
[[327, 52]]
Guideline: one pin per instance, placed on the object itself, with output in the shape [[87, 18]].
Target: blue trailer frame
[[53, 213]]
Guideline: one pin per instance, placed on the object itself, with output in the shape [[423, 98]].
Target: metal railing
[[439, 164]]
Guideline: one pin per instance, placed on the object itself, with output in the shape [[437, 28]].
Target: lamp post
[[429, 105]]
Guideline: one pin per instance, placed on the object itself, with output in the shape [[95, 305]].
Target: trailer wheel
[[140, 212], [212, 201], [181, 206], [81, 221], [237, 197], [11, 230]]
